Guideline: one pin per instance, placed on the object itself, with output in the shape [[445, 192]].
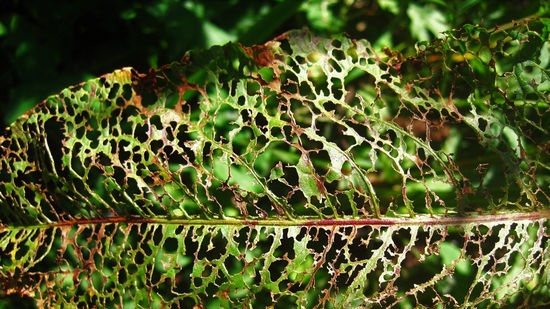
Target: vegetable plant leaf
[[308, 171]]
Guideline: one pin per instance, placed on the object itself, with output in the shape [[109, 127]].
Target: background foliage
[[46, 45]]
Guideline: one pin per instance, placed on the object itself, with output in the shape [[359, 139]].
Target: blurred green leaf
[[426, 21], [265, 25]]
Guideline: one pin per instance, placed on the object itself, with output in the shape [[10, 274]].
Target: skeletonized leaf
[[307, 171]]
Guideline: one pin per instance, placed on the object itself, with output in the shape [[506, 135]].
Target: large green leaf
[[307, 171]]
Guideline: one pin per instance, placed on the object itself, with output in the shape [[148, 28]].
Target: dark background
[[46, 46]]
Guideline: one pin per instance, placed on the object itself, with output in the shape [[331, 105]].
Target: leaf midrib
[[405, 220]]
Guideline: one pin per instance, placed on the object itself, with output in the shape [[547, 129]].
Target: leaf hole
[[170, 245]]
